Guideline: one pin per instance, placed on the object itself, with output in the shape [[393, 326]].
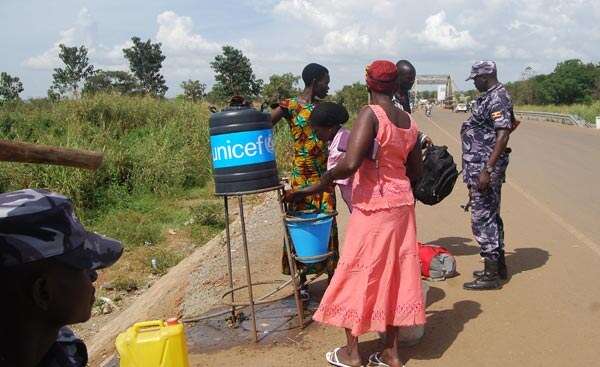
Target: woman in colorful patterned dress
[[310, 157]]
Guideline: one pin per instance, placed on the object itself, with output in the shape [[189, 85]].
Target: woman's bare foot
[[351, 358], [391, 358]]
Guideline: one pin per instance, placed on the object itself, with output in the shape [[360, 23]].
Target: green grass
[[143, 220], [284, 144], [150, 146], [156, 175], [587, 112]]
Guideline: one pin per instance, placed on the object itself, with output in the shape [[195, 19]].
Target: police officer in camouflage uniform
[[48, 264], [485, 159]]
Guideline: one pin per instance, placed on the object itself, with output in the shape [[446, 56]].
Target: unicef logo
[[242, 148]]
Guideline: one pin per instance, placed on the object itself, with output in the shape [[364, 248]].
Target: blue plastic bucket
[[310, 234]]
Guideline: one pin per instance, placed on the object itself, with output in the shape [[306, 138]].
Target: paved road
[[549, 312], [551, 306], [553, 165]]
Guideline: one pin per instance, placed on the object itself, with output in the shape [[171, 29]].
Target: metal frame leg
[[291, 262], [229, 264], [248, 275]]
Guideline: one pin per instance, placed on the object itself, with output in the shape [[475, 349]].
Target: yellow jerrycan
[[153, 344]]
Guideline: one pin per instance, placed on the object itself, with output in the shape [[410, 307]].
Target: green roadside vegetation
[[573, 87], [154, 191], [586, 111]]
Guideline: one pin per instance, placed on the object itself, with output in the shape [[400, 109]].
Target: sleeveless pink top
[[383, 184]]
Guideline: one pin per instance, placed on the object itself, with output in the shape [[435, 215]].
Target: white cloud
[[562, 53], [343, 42], [310, 11], [439, 33], [82, 33], [187, 53], [505, 52], [176, 34], [347, 34]]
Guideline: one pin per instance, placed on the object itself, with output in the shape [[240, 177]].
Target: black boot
[[489, 279], [502, 271]]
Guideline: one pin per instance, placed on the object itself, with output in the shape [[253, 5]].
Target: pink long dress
[[378, 279]]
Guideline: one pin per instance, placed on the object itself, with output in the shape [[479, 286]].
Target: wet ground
[[276, 323]]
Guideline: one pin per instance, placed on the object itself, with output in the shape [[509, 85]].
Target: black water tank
[[242, 149]]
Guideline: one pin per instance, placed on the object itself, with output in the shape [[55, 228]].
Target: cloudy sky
[[438, 36]]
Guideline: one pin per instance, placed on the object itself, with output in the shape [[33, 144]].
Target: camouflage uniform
[[67, 351], [37, 225], [493, 110]]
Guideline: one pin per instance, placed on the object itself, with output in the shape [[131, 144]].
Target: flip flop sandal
[[376, 361], [333, 359]]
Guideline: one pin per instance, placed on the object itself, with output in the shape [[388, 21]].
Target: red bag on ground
[[437, 263]]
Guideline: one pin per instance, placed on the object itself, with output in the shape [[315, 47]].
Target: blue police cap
[[38, 224], [482, 68]]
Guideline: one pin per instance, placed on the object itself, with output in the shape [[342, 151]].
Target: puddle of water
[[275, 322]]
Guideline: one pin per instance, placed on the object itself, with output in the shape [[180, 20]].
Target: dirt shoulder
[[161, 297]]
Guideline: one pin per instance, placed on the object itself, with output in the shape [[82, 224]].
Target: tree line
[[572, 81], [233, 76], [77, 77]]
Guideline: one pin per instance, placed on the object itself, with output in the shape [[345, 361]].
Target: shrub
[[150, 145]]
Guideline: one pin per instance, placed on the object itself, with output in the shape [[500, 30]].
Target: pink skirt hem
[[378, 279]]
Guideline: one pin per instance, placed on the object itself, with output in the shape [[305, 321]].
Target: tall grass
[[150, 146], [156, 176], [586, 111]]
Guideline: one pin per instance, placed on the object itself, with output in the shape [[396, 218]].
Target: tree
[[10, 87], [120, 82], [572, 82], [428, 94], [280, 87], [353, 97], [471, 94], [526, 92], [234, 75], [145, 61], [66, 81], [596, 92], [193, 90]]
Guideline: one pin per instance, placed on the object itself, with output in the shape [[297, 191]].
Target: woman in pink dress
[[377, 285]]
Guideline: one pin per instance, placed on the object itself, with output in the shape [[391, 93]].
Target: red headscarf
[[381, 76]]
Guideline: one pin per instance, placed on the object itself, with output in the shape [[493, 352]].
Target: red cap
[[381, 76]]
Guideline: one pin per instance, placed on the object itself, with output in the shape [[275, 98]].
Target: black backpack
[[439, 176]]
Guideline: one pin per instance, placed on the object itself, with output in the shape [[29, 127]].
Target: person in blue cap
[[485, 160], [48, 264]]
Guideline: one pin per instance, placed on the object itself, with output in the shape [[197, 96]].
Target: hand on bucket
[[293, 196]]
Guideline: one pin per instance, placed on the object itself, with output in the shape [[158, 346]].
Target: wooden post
[[13, 151]]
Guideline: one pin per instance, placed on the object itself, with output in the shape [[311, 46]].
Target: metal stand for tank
[[235, 305]]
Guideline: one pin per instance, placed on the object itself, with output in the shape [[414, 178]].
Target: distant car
[[461, 107]]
